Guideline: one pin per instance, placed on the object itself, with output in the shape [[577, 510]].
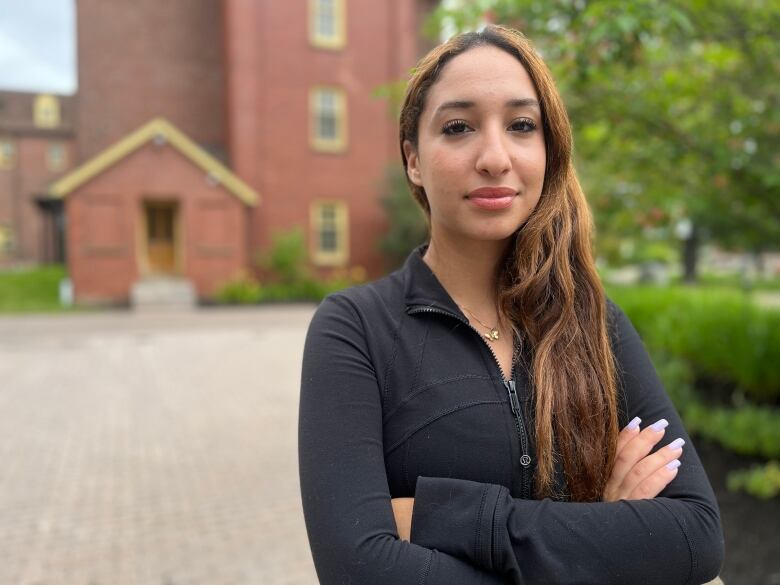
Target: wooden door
[[160, 237]]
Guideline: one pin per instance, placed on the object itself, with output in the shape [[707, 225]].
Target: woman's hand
[[637, 475], [402, 510]]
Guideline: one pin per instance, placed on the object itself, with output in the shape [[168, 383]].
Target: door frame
[[142, 248]]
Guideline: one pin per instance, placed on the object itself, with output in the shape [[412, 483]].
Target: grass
[[31, 290]]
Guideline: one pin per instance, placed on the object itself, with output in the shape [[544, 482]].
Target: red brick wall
[[104, 230], [147, 58], [271, 68]]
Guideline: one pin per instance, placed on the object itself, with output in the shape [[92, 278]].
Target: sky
[[38, 45]]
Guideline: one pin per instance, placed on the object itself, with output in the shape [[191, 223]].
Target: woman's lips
[[492, 198]]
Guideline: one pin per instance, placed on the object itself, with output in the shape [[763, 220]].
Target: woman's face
[[481, 126]]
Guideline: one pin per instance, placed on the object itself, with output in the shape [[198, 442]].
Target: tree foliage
[[407, 226], [674, 107]]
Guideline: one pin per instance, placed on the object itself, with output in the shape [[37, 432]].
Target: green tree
[[674, 107], [407, 225]]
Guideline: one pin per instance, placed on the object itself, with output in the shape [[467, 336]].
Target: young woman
[[459, 418]]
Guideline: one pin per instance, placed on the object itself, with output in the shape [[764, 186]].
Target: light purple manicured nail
[[676, 444], [673, 464], [633, 424], [659, 425]]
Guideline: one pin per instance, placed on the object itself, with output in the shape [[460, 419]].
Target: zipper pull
[[510, 387], [525, 459]]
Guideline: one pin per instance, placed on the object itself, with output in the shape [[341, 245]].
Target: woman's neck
[[468, 271]]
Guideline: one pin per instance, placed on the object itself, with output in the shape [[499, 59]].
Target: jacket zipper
[[514, 403], [525, 458]]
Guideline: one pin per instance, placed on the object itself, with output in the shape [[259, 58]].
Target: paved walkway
[[152, 449]]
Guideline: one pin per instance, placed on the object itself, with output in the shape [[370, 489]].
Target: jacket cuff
[[456, 516]]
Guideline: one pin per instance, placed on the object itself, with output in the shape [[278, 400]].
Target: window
[[46, 111], [330, 238], [7, 153], [6, 240], [55, 156], [328, 119], [327, 23]]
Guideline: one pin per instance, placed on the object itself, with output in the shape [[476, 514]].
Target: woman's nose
[[493, 155]]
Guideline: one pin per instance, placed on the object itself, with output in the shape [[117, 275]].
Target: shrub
[[748, 430], [286, 262], [242, 290], [287, 257], [719, 332], [762, 481]]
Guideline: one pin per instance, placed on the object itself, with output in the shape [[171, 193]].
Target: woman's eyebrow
[[465, 104]]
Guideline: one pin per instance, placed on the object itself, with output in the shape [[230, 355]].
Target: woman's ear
[[412, 163]]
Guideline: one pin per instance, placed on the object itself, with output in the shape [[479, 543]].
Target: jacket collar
[[423, 289]]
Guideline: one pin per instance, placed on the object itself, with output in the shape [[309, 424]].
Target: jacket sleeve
[[672, 539], [344, 488]]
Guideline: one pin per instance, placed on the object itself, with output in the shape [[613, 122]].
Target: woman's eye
[[451, 127], [525, 125], [455, 127]]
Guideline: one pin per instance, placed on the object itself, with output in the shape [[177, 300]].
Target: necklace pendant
[[493, 335]]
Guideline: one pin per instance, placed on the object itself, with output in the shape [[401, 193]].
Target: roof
[[16, 114], [158, 129]]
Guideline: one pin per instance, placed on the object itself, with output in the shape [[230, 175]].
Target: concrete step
[[163, 292]]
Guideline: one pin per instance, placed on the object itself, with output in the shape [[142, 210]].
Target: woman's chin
[[495, 230], [495, 234]]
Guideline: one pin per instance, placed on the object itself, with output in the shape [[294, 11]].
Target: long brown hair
[[548, 286]]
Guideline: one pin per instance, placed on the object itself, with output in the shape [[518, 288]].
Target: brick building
[[36, 146], [275, 124]]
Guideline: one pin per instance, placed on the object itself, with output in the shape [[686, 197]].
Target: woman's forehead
[[482, 77]]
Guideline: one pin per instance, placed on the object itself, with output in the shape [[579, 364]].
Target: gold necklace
[[493, 335]]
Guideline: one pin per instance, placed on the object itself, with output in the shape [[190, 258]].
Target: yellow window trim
[[7, 161], [339, 144], [340, 256], [339, 39], [46, 111]]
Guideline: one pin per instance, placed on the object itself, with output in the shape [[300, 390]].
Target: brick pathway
[[152, 449]]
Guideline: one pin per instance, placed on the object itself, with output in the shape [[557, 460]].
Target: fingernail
[[673, 464], [633, 424], [659, 425], [676, 444]]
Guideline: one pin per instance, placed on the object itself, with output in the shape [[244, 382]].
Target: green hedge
[[748, 430], [290, 276], [716, 334], [761, 481], [719, 332], [246, 290]]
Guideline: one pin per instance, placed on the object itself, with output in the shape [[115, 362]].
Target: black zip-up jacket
[[402, 397]]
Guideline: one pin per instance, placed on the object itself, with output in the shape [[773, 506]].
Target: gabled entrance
[[153, 215]]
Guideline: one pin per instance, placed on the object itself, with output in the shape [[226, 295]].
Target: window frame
[[50, 161], [7, 158], [46, 111], [7, 241], [317, 142], [339, 256], [339, 39]]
